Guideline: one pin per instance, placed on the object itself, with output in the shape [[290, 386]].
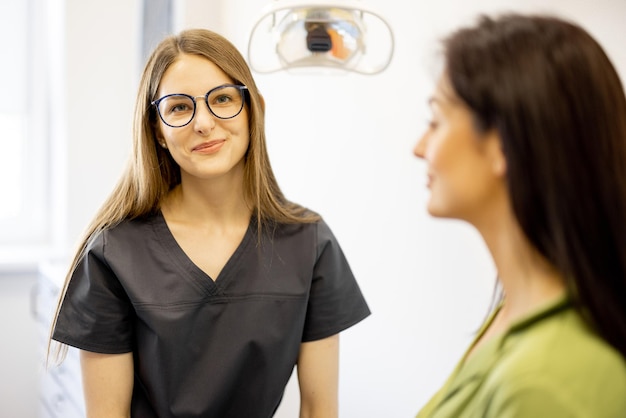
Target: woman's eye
[[223, 99], [180, 107]]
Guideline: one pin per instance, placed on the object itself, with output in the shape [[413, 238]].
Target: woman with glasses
[[198, 286], [527, 143]]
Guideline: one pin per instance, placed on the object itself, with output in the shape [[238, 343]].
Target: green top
[[549, 364]]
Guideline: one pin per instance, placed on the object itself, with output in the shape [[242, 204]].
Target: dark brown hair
[[558, 104]]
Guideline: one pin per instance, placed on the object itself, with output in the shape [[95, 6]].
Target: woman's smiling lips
[[429, 180], [210, 147]]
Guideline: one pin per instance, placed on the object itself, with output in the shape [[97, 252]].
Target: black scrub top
[[204, 348]]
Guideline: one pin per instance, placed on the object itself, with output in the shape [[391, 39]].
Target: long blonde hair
[[151, 171]]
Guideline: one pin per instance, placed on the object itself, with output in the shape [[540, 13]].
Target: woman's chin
[[433, 210], [437, 211]]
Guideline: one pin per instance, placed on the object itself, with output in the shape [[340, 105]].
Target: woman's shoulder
[[128, 232], [564, 341], [316, 226], [314, 231], [303, 219], [562, 358], [130, 225]]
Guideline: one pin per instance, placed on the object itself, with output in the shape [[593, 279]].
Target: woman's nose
[[420, 147], [204, 120]]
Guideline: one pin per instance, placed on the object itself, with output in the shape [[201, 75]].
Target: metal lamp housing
[[341, 36]]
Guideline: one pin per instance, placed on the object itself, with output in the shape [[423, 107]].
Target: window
[[24, 219]]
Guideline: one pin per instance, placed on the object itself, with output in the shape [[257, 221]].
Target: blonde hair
[[151, 171]]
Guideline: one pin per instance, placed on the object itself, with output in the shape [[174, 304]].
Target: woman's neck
[[217, 202], [528, 279]]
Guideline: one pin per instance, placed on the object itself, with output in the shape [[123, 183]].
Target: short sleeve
[[95, 313], [335, 300]]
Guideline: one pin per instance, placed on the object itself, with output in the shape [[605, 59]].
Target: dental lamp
[[339, 36]]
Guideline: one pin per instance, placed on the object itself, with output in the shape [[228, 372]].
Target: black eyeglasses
[[224, 102]]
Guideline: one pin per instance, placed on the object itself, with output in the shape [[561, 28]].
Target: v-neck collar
[[525, 322], [491, 347], [485, 357], [190, 270]]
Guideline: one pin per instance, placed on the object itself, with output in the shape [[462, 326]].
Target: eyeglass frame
[[242, 89]]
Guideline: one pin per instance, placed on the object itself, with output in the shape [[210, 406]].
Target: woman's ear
[[496, 154], [159, 138]]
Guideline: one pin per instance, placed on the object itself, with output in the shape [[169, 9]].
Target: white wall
[[340, 145]]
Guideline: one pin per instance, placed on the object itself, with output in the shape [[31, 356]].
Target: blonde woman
[[198, 286]]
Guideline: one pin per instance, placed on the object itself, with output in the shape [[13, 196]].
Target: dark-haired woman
[[527, 143]]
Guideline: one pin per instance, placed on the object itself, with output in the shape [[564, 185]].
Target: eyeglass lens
[[178, 109]]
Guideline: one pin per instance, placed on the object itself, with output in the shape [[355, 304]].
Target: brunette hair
[[152, 172], [557, 102]]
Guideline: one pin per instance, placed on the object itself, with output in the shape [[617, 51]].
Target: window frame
[[30, 235]]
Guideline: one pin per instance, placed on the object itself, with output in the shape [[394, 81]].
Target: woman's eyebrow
[[433, 101]]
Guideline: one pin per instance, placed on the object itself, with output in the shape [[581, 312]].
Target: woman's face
[[465, 167], [207, 147]]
